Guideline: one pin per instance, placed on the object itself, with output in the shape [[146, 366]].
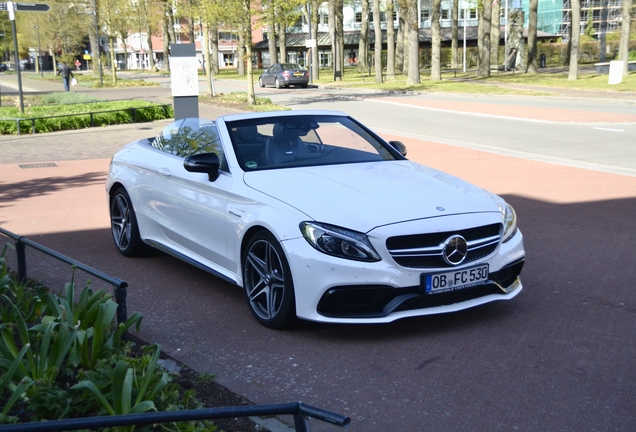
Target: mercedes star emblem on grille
[[455, 250]]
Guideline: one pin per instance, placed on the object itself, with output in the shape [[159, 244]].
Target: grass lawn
[[460, 82]]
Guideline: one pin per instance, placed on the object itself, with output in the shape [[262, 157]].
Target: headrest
[[246, 133]]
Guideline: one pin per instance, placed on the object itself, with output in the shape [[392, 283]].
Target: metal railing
[[299, 410], [91, 114], [119, 285]]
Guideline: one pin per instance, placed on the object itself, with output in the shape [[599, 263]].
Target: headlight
[[509, 217], [339, 242]]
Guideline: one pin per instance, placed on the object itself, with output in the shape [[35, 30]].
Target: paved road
[[557, 357]]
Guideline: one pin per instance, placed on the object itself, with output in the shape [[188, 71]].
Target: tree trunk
[[206, 58], [413, 76], [144, 13], [377, 30], [340, 37], [399, 47], [241, 46], [454, 35], [166, 22], [495, 33], [92, 36], [575, 36], [271, 36], [282, 42], [214, 37], [531, 63], [436, 41], [111, 47], [483, 69], [363, 44], [313, 22], [332, 36], [623, 47], [390, 40], [247, 49]]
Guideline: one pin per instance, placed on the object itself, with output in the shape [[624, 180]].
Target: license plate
[[457, 279], [299, 74]]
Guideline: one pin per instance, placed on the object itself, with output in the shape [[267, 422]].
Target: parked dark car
[[283, 75]]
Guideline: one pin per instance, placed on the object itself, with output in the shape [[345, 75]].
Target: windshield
[[304, 140]]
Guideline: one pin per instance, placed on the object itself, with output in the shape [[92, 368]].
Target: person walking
[[66, 73]]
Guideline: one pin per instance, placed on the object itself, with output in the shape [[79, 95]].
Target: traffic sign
[[27, 7]]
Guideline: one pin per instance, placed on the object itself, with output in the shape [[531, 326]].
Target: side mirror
[[399, 146], [203, 163]]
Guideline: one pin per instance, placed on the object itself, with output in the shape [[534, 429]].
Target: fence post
[[20, 250], [33, 126], [17, 121], [300, 423], [134, 115], [120, 298], [92, 122]]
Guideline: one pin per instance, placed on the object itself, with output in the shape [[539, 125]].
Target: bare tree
[[363, 43], [623, 48], [575, 36], [531, 64], [413, 76], [483, 69]]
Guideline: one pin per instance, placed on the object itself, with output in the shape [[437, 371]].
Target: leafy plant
[[122, 385]]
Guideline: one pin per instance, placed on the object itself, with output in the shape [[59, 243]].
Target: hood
[[367, 195]]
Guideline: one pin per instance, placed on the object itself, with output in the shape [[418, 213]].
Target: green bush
[[69, 115]]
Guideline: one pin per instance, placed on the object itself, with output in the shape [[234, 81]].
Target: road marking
[[611, 130]]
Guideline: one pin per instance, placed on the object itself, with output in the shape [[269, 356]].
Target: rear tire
[[278, 86], [268, 283], [124, 225]]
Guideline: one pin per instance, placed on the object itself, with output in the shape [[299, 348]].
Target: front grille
[[425, 250]]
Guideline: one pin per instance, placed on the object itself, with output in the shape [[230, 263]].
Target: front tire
[[260, 82], [268, 283], [124, 225]]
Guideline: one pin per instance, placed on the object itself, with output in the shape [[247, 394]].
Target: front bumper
[[330, 289]]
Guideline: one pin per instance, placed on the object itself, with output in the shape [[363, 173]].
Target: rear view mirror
[[399, 146]]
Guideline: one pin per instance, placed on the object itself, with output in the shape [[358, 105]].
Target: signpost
[[12, 7], [27, 7]]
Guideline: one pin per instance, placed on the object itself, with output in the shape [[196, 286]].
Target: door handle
[[165, 172]]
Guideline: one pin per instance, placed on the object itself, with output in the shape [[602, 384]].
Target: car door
[[192, 208], [271, 74]]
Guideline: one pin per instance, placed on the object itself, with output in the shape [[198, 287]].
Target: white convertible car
[[315, 217]]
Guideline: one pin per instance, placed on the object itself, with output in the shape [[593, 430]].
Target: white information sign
[[616, 72], [310, 43], [184, 76]]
